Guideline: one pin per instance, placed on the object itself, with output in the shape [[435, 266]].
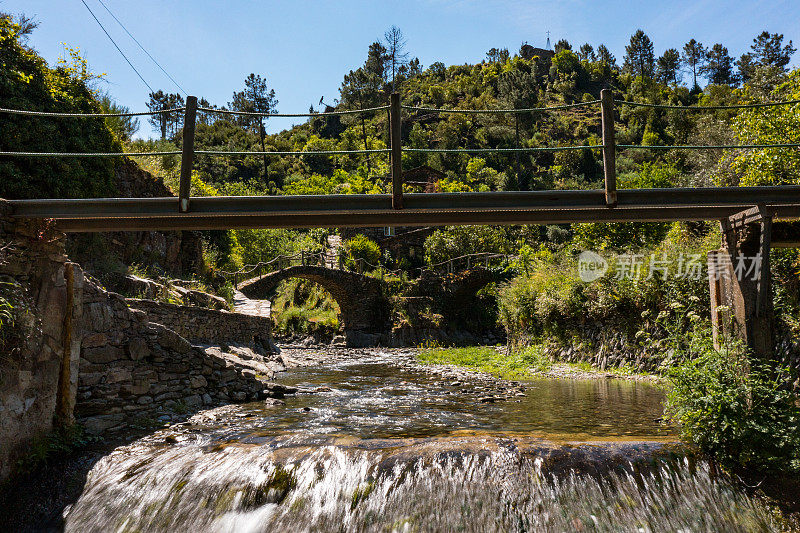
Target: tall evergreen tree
[[158, 102], [562, 44], [497, 55], [255, 98], [362, 88], [586, 52], [604, 55], [769, 50], [746, 67], [668, 66], [168, 124], [719, 66], [639, 56], [377, 61], [694, 57]]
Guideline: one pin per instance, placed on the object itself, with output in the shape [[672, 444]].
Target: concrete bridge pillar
[[740, 282]]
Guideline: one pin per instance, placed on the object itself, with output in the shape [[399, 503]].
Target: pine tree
[[586, 52], [639, 56], [158, 102], [604, 55], [255, 98], [769, 51], [694, 57], [562, 44], [719, 66], [668, 66]]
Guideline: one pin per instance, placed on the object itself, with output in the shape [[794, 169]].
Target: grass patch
[[527, 362], [624, 370]]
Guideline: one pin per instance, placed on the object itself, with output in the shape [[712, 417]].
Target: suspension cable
[[710, 147], [500, 150], [90, 154], [291, 115], [316, 152], [497, 111], [706, 108], [87, 115]]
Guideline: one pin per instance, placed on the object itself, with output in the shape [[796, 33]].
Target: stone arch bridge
[[363, 301], [366, 311]]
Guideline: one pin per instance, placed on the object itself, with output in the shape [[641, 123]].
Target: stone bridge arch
[[366, 312]]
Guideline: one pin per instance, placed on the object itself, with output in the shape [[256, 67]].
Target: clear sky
[[305, 48]]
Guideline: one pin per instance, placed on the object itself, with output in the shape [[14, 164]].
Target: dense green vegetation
[[26, 82], [742, 412], [304, 307]]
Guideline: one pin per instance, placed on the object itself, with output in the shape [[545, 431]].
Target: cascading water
[[368, 455], [245, 489]]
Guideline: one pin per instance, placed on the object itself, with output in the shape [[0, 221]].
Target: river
[[373, 442]]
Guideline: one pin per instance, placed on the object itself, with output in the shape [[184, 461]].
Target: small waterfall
[[254, 488]]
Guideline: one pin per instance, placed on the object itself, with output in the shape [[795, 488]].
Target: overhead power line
[[115, 46], [143, 48]]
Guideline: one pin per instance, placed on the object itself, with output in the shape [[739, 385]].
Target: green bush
[[744, 414], [7, 320], [26, 82], [454, 241], [361, 249]]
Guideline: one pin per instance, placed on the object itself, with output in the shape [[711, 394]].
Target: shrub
[[361, 249], [744, 417]]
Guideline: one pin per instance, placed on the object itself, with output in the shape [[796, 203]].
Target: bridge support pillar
[[740, 284]]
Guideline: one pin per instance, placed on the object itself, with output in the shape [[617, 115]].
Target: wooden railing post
[[609, 146], [187, 157], [395, 131]]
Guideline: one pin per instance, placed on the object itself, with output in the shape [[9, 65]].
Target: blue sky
[[305, 48]]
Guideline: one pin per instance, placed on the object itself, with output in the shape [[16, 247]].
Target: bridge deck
[[518, 207]]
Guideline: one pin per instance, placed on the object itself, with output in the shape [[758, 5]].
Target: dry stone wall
[[135, 371], [78, 351], [201, 325]]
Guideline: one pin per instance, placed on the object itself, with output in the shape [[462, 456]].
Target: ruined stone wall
[[32, 268], [134, 371], [202, 325]]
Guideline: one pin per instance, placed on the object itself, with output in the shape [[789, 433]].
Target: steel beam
[[534, 207], [405, 218]]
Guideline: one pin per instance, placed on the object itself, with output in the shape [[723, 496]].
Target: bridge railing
[[302, 258], [541, 207]]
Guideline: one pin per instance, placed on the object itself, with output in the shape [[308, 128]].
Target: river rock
[[272, 402]]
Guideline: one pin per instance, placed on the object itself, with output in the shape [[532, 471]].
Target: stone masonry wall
[[134, 370], [32, 266], [203, 325], [119, 368]]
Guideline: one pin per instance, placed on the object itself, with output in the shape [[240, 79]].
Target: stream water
[[371, 442]]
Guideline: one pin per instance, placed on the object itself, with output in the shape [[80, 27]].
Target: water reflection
[[371, 397]]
